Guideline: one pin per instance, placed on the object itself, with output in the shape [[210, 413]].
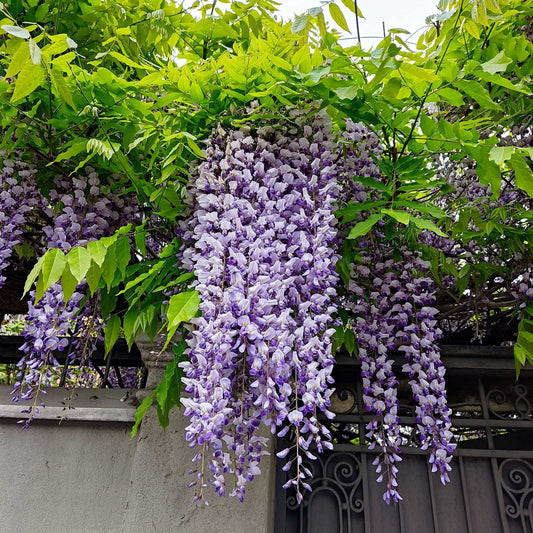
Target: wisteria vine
[[263, 242], [261, 248], [76, 211]]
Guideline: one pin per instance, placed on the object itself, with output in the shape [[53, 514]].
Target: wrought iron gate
[[491, 488]]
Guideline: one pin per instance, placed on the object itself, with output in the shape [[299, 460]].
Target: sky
[[407, 14]]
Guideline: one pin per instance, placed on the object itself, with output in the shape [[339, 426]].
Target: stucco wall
[[87, 476]]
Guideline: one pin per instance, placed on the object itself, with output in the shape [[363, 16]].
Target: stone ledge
[[90, 405]]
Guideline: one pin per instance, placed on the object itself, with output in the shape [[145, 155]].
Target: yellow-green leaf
[[417, 73], [338, 16], [127, 61], [472, 28], [68, 283], [79, 261], [182, 307], [62, 88], [401, 216], [32, 276], [53, 266], [501, 154], [30, 77], [21, 55], [479, 13], [498, 63], [350, 4], [422, 223], [98, 251]]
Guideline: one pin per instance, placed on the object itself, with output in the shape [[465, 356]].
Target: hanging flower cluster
[[392, 301], [390, 297], [262, 247], [79, 210], [19, 198]]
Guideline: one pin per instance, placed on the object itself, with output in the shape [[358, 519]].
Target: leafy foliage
[[135, 89]]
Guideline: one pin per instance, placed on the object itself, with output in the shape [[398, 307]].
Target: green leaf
[[127, 61], [498, 63], [452, 96], [338, 16], [35, 52], [68, 283], [18, 60], [489, 174], [93, 277], [392, 88], [79, 261], [349, 340], [182, 307], [98, 251], [522, 174], [32, 276], [300, 23], [281, 63], [520, 356], [413, 72], [168, 391], [73, 150], [131, 326], [16, 31], [362, 228], [64, 93], [111, 333], [346, 93], [53, 266], [427, 224], [29, 79], [401, 216], [140, 242], [500, 154], [526, 336], [108, 301], [122, 253], [477, 92], [110, 266], [429, 209], [141, 411]]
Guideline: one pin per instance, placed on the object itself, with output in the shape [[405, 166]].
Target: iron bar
[[464, 488], [432, 499], [106, 382], [119, 376]]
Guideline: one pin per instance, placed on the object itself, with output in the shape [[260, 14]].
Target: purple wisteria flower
[[261, 246], [19, 199], [392, 299], [80, 210]]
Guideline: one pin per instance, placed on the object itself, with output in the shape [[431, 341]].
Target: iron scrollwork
[[510, 403], [337, 477], [517, 482]]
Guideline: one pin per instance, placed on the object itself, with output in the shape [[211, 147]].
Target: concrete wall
[[86, 476]]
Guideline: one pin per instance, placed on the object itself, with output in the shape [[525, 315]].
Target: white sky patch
[[409, 15]]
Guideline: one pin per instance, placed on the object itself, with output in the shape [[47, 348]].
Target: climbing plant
[[265, 197]]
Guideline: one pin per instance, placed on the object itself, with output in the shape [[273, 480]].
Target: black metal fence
[[110, 369], [491, 488]]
